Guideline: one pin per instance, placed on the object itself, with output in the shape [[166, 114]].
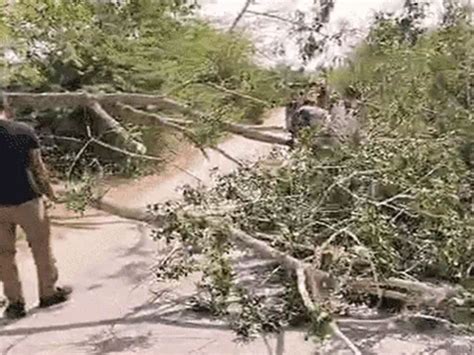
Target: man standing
[[23, 181]]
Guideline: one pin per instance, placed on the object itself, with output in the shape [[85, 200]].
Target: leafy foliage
[[136, 46], [398, 204]]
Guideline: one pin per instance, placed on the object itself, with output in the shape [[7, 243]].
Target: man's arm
[[40, 175]]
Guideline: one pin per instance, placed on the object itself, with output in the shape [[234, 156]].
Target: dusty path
[[113, 311], [107, 260]]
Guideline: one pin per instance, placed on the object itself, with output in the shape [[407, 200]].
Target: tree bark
[[256, 135], [125, 101], [72, 99], [113, 131], [243, 130]]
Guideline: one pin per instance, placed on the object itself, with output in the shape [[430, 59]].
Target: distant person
[[23, 182]]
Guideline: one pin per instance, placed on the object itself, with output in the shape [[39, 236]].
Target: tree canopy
[[149, 47]]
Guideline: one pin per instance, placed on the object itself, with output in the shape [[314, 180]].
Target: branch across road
[[130, 103]]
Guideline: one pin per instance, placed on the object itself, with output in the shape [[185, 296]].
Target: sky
[[271, 37]]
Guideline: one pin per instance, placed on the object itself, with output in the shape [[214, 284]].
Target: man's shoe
[[61, 295], [15, 311]]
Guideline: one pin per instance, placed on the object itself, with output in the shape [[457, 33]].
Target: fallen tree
[[109, 133], [386, 222], [128, 103], [101, 62], [317, 288]]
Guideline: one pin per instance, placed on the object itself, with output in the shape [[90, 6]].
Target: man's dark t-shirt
[[16, 142]]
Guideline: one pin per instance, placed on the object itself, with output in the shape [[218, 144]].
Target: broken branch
[[307, 276], [126, 101], [239, 94], [165, 122], [240, 15], [250, 133], [177, 124], [109, 124], [309, 304], [71, 99]]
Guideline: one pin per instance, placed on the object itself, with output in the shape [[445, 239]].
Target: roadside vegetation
[[385, 219], [147, 47]]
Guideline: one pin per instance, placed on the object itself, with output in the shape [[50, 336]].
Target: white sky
[[269, 34]]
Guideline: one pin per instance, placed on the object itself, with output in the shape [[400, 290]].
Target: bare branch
[[239, 94], [303, 291], [135, 214], [227, 155], [143, 156], [240, 15], [220, 88], [174, 124], [405, 317], [111, 125], [250, 133], [269, 128], [77, 157], [126, 101], [165, 122], [262, 248], [338, 333], [279, 18], [177, 124], [113, 148], [71, 99], [409, 292], [291, 245], [431, 294]]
